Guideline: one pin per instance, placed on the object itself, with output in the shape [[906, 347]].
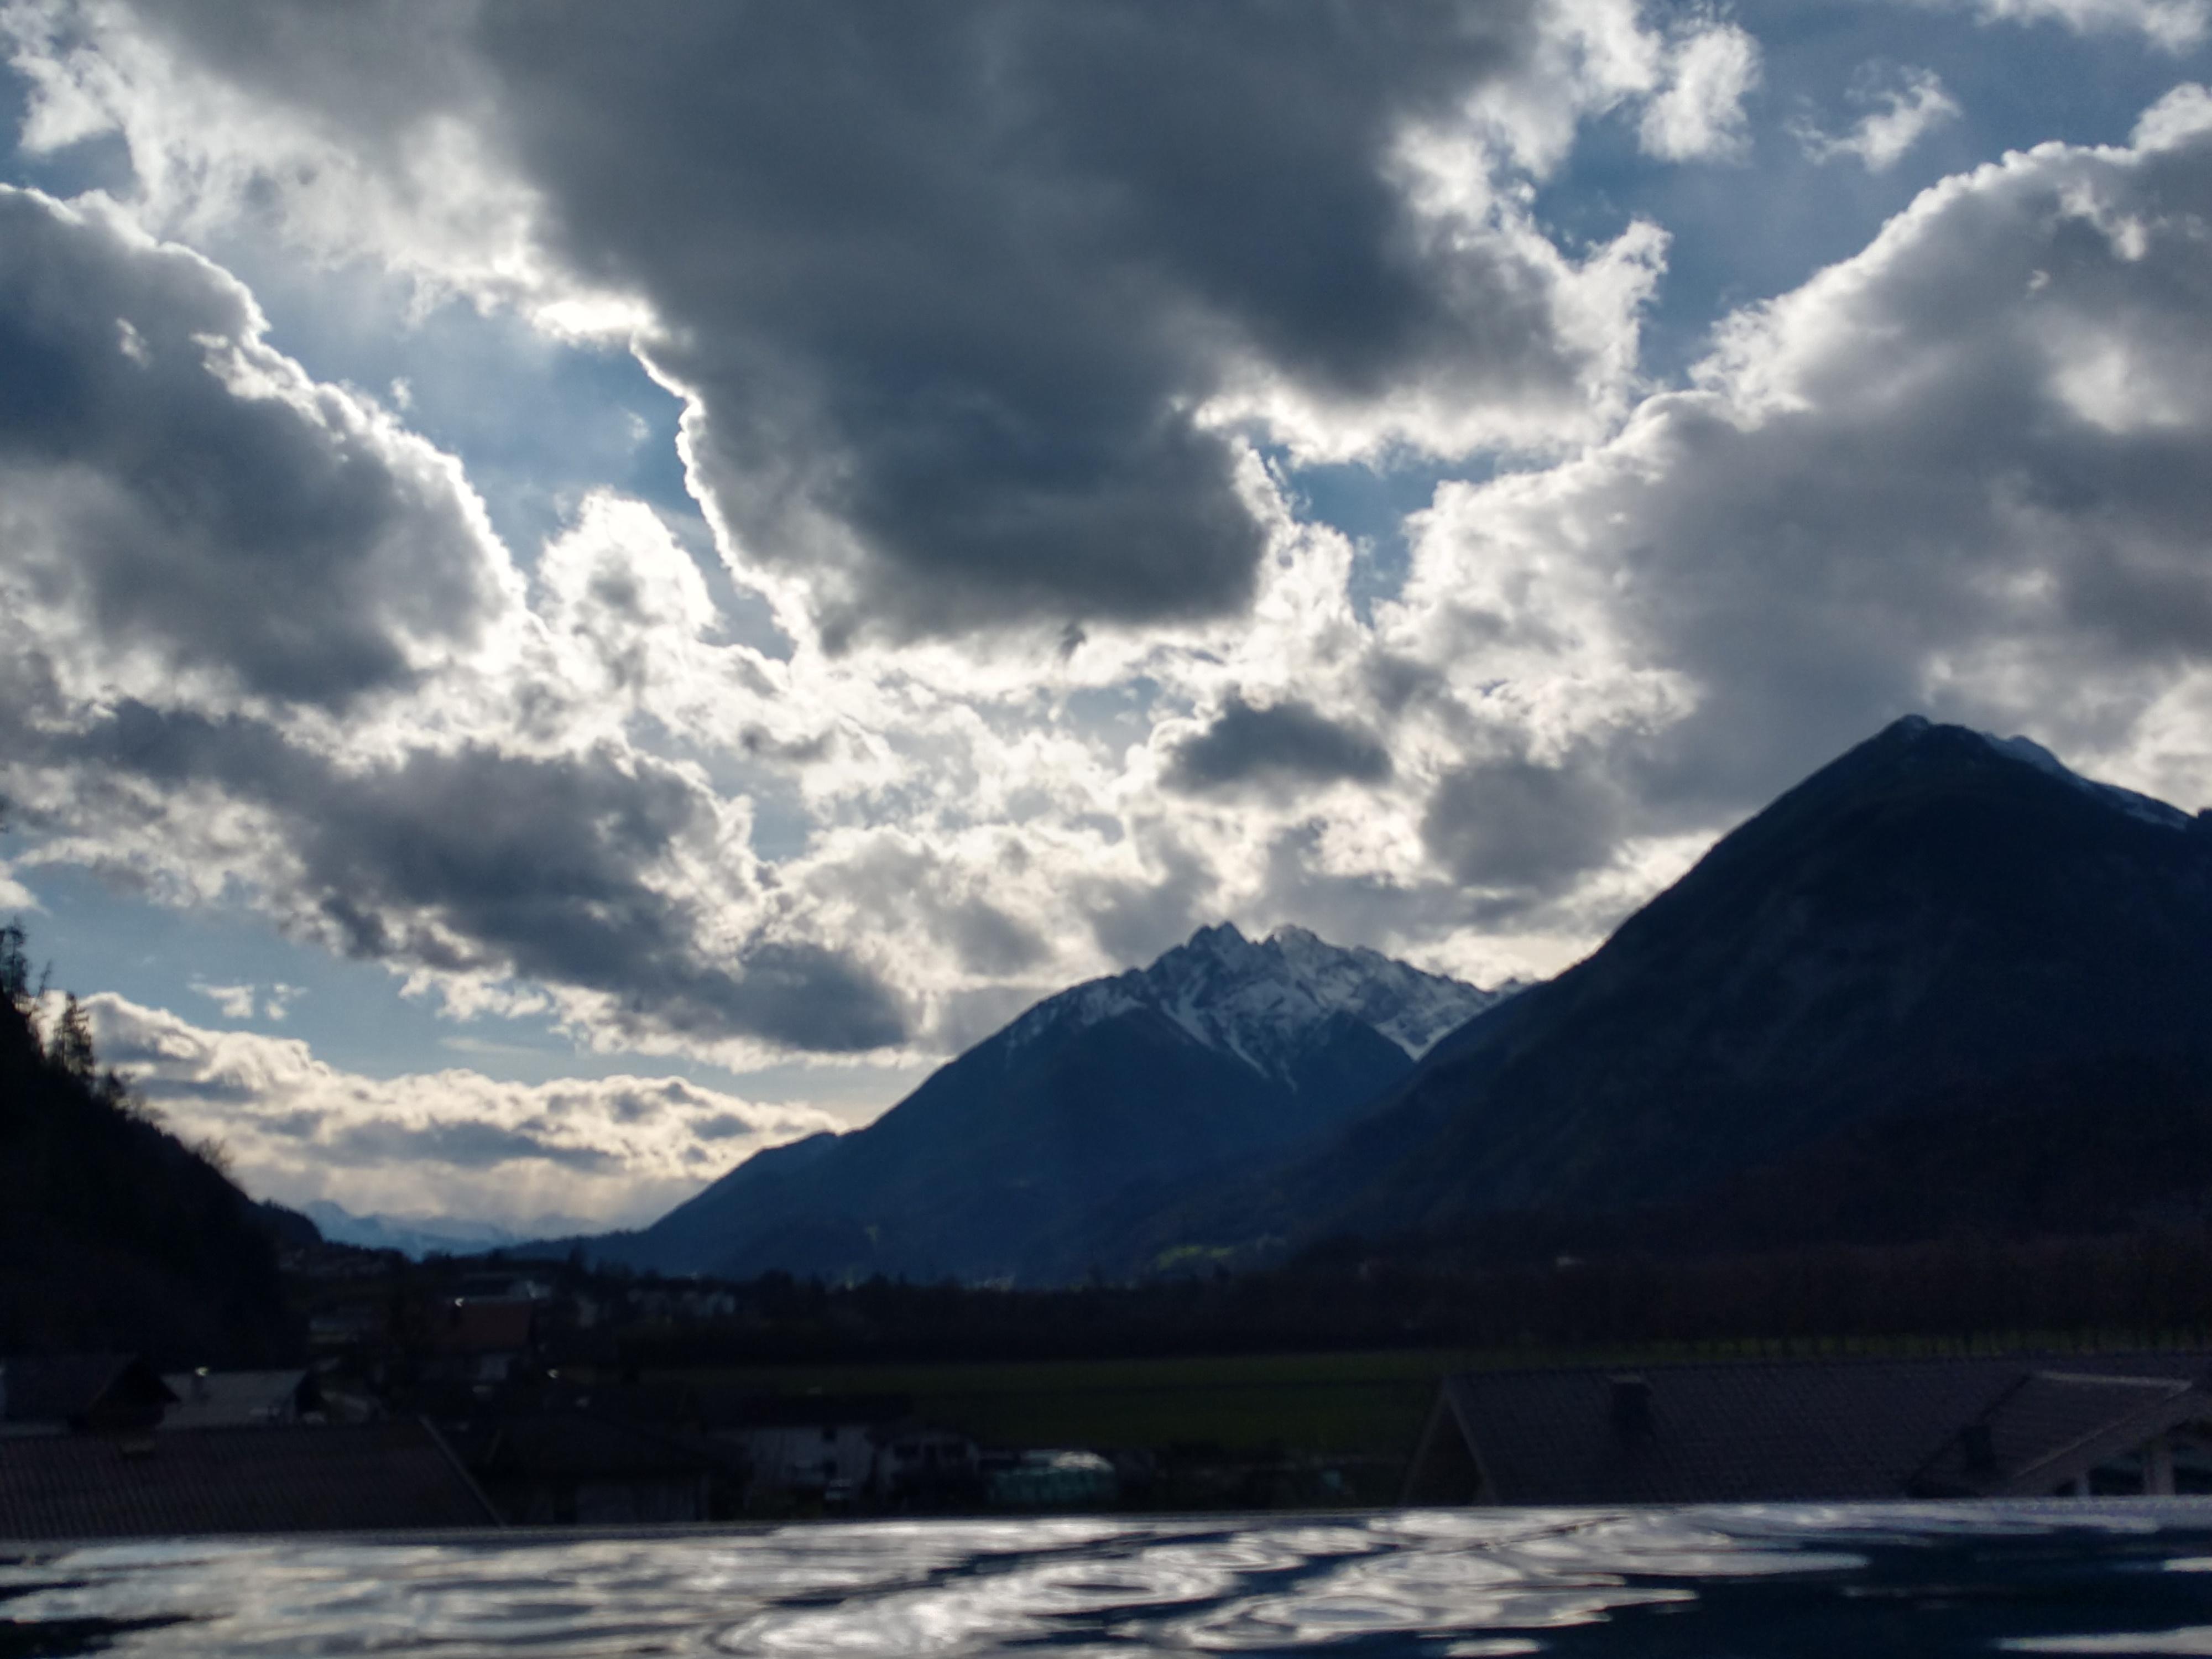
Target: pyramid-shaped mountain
[[1015, 1160], [1943, 982]]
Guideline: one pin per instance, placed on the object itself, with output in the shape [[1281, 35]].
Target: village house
[[101, 1446], [572, 1468], [208, 1399], [81, 1393], [1809, 1431]]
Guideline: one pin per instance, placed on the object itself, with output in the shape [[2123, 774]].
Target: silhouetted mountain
[[1009, 1162], [1878, 1008], [113, 1234], [287, 1227]]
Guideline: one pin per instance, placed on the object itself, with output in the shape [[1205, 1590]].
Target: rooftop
[[1797, 1430]]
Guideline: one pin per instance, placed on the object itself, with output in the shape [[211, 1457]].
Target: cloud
[[1698, 113], [966, 305], [1907, 111], [233, 1001], [1962, 468], [572, 871], [1513, 824], [617, 1149], [169, 484], [2174, 25], [1288, 742], [1006, 336]]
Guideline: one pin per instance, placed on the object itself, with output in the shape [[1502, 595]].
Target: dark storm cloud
[[1134, 920], [479, 860], [890, 880], [266, 530], [990, 941], [949, 282], [1285, 743], [1515, 825]]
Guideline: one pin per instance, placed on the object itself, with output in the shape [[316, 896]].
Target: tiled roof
[[1803, 1430], [354, 1478]]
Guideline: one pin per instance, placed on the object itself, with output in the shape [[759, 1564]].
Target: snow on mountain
[[2135, 805], [1259, 1000], [418, 1236]]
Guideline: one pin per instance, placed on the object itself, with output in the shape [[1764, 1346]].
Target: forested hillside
[[113, 1233]]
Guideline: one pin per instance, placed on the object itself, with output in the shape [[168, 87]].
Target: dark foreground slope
[[1942, 982], [113, 1234]]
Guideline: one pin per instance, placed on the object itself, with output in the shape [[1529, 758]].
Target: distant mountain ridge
[[420, 1235], [1014, 1159]]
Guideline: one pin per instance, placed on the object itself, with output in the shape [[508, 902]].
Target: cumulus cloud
[[1698, 113], [1898, 116], [1285, 743], [617, 1150], [256, 633], [1951, 472], [1003, 332], [2175, 25], [596, 872], [965, 303], [1516, 825], [170, 484]]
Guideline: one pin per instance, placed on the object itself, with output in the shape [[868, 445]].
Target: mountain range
[[1944, 981], [1878, 1009], [1039, 1147], [421, 1235]]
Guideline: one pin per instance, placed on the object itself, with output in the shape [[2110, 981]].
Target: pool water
[[1804, 1582]]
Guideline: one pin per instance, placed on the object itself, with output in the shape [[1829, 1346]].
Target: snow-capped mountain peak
[[1259, 1000]]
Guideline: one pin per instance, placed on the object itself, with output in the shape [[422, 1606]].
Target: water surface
[[1793, 1581]]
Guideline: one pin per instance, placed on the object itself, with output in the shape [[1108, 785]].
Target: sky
[[584, 590]]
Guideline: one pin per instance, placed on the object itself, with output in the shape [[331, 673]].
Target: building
[[356, 1478], [825, 1446], [563, 1468], [80, 1393], [1046, 1480], [211, 1399], [479, 1342], [1808, 1430]]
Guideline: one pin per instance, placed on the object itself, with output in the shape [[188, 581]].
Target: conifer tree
[[71, 1048], [15, 967]]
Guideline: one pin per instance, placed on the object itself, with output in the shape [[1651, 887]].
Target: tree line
[[114, 1234]]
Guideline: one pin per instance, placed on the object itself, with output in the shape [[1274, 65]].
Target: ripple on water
[[1807, 1580]]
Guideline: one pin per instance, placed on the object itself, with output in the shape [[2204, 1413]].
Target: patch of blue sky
[[537, 422], [102, 162], [1368, 502], [351, 1013], [1124, 712], [1749, 228]]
